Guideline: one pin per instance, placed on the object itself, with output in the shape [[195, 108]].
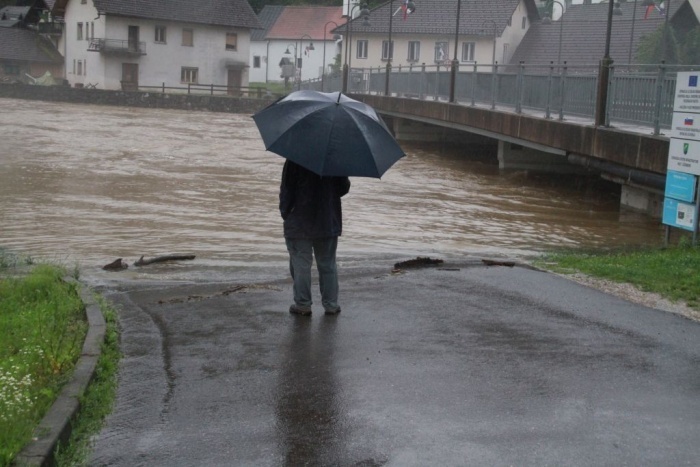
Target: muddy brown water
[[88, 184]]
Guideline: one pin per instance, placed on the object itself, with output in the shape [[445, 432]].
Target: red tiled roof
[[297, 21]]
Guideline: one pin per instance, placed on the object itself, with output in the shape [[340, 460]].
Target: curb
[[56, 427]]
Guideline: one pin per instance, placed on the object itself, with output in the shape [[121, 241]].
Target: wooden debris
[[419, 262], [162, 259], [490, 262], [116, 265]]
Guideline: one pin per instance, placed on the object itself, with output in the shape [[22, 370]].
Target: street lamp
[[604, 73], [410, 6], [323, 72], [548, 20], [364, 14], [287, 52], [455, 62], [493, 50], [310, 47]]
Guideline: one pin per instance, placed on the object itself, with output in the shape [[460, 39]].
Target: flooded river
[[89, 184]]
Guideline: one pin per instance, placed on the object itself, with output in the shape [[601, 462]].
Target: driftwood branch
[[419, 262], [162, 259], [116, 265], [490, 262]]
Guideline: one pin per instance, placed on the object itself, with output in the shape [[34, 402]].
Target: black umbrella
[[329, 134]]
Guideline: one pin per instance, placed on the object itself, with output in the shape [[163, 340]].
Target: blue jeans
[[301, 253]]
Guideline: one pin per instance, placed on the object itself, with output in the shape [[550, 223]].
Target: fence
[[638, 95], [211, 89]]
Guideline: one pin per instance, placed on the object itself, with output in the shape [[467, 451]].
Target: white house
[[489, 31], [299, 35], [112, 44]]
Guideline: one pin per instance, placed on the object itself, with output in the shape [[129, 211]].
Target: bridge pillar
[[642, 200], [515, 157]]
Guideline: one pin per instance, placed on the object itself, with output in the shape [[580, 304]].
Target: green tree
[[651, 46], [689, 52]]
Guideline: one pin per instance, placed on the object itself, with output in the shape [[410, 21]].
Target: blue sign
[[681, 215], [680, 186]]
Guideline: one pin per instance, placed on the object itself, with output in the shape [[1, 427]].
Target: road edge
[[56, 426]]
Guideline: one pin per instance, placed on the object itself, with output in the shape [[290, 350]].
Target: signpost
[[681, 199]]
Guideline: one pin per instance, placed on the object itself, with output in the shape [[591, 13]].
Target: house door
[[234, 82], [130, 76], [133, 38]]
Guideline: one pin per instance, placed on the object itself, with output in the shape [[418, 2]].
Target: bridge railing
[[638, 95]]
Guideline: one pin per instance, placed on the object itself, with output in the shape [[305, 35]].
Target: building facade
[[111, 44]]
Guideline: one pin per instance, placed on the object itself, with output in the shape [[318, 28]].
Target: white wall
[[260, 75], [274, 50], [513, 34], [162, 62], [75, 50], [483, 54]]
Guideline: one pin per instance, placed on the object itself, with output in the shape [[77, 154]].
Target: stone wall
[[153, 100]]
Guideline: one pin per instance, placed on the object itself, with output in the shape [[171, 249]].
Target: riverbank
[[152, 100], [667, 279]]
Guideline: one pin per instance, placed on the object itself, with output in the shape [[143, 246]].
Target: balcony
[[117, 47], [53, 28]]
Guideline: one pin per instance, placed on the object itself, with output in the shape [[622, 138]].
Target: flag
[[688, 121], [650, 8], [407, 9]]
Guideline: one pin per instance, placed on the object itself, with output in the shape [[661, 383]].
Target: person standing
[[311, 209]]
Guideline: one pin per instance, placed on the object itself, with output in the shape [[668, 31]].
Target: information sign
[[684, 156], [686, 126], [678, 214], [680, 186], [687, 93]]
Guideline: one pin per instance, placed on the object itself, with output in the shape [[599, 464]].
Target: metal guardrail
[[639, 95]]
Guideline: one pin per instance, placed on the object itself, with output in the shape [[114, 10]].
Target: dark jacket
[[310, 204]]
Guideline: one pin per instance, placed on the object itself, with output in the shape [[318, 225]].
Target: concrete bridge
[[632, 157]]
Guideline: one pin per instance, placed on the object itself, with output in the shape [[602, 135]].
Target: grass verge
[[673, 272], [98, 399], [42, 329]]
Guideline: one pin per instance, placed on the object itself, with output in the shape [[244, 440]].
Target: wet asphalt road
[[467, 365]]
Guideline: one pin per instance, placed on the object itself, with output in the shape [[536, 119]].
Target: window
[[160, 34], [187, 37], [510, 22], [413, 51], [442, 50], [256, 61], [468, 51], [387, 50], [189, 75], [11, 69], [80, 68], [524, 22], [92, 30], [361, 49], [231, 41], [80, 32]]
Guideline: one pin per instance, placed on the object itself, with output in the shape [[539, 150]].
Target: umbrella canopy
[[329, 134]]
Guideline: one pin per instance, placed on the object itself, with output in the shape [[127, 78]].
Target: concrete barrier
[[154, 100]]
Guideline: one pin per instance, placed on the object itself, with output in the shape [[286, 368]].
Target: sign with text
[[685, 126], [687, 92], [678, 214], [680, 186], [684, 156]]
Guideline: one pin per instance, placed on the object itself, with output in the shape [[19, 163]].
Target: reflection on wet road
[[92, 183]]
